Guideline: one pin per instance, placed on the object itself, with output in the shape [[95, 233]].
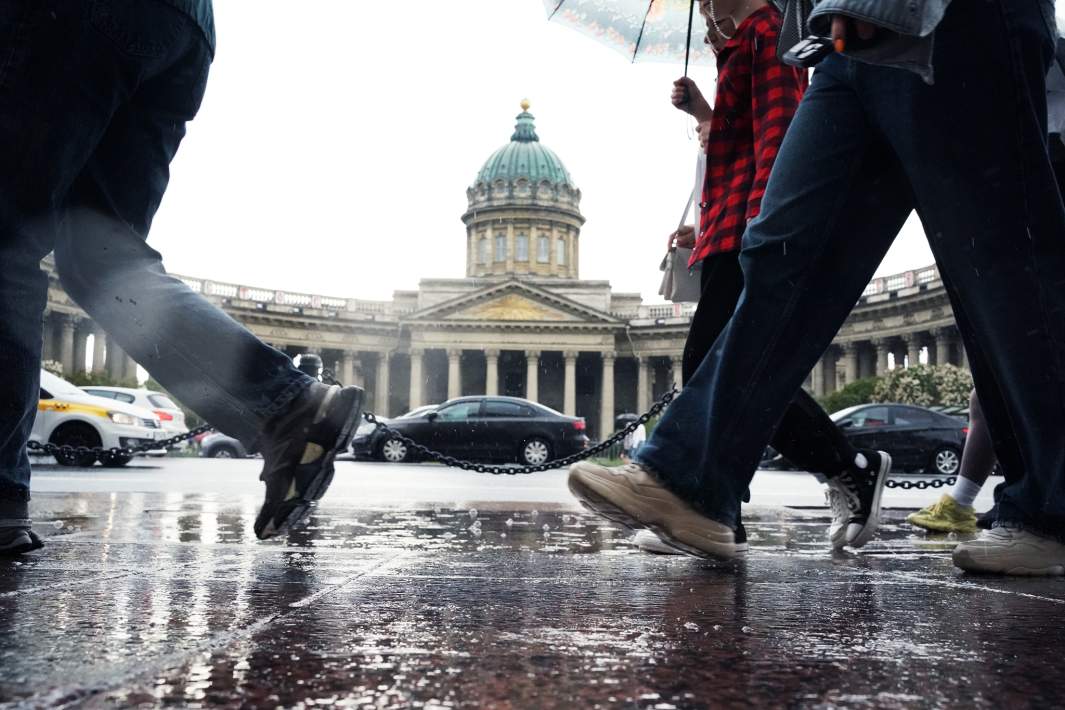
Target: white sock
[[965, 491]]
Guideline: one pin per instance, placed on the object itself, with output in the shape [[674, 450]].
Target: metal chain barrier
[[328, 377]]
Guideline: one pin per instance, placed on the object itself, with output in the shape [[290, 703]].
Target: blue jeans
[[867, 145], [94, 98]]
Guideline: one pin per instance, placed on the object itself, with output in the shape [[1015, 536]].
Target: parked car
[[68, 416], [483, 429], [170, 415], [364, 444], [919, 440], [220, 446]]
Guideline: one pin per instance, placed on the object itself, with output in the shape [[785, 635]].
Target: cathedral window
[[521, 247], [543, 250], [501, 247], [560, 255]]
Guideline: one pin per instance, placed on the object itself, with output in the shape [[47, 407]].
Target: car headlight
[[123, 418]]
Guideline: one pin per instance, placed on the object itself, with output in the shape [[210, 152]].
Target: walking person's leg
[[806, 436], [997, 227], [954, 512], [101, 103], [835, 201]]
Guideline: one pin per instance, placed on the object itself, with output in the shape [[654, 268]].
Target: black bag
[[793, 25]]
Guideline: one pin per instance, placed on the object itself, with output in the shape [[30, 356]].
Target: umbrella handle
[[688, 44]]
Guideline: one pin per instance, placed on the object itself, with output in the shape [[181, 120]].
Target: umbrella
[[642, 30]]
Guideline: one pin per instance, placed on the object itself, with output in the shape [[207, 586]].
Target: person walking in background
[[871, 142], [94, 98], [954, 512], [756, 98], [633, 441]]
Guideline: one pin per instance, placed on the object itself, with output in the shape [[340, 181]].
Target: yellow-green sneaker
[[945, 515]]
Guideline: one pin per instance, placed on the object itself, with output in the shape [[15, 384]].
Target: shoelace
[[847, 488]]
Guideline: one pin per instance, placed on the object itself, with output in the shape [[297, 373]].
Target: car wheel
[[535, 452], [394, 451], [946, 461], [115, 460], [223, 451], [76, 434]]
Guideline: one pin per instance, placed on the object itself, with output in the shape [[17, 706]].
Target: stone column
[[66, 344], [47, 338], [817, 378], [676, 364], [913, 348], [454, 373], [381, 385], [569, 407], [80, 348], [491, 373], [643, 383], [99, 350], [347, 368], [883, 348], [850, 362], [943, 338], [532, 375], [417, 379], [114, 359], [830, 383], [129, 368], [963, 355], [606, 397]]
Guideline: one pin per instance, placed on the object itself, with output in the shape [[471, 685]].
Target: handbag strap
[[697, 189]]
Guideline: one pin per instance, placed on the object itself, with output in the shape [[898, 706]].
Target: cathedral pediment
[[512, 307], [512, 302]]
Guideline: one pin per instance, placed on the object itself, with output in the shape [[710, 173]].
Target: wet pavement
[[420, 587]]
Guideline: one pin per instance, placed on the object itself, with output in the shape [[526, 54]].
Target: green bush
[[857, 392], [926, 386]]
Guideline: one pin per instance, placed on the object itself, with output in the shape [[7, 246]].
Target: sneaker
[[854, 498], [649, 542], [298, 453], [1006, 550], [630, 495], [945, 515], [16, 538]]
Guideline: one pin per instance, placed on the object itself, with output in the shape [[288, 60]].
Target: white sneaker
[[1005, 550], [633, 497], [649, 542], [854, 499]]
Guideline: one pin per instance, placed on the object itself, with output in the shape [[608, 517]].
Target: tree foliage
[[857, 392], [926, 386]]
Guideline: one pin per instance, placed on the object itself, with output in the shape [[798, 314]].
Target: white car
[[68, 416], [170, 415]]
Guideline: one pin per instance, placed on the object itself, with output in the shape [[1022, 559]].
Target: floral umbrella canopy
[[641, 30]]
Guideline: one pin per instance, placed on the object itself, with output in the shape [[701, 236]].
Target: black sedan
[[918, 439], [479, 429]]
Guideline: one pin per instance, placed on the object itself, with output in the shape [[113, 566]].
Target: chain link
[[507, 470]]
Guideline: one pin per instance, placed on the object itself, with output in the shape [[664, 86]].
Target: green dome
[[524, 157]]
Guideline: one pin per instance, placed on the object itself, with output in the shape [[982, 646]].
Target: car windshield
[[58, 387]]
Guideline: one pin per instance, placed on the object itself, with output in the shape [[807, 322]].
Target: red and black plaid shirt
[[757, 97]]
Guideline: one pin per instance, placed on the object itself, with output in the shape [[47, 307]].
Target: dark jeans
[[94, 97], [867, 145], [805, 435]]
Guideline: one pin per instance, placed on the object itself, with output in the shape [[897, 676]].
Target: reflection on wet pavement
[[166, 598]]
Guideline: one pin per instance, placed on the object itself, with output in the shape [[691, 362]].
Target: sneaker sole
[[964, 560], [933, 526], [873, 522], [346, 415], [31, 543], [597, 503]]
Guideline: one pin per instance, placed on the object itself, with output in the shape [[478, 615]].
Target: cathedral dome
[[523, 218], [524, 157]]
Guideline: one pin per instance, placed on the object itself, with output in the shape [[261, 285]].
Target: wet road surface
[[439, 589]]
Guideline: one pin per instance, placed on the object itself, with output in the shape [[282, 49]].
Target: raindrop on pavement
[[473, 513], [747, 629]]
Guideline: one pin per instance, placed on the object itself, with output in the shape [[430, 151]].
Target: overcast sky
[[338, 137]]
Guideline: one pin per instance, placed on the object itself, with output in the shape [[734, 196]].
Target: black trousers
[[805, 435]]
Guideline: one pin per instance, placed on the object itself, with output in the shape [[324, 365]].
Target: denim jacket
[[912, 22]]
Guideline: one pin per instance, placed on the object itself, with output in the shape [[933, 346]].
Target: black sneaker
[[298, 451], [854, 498], [16, 538]]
